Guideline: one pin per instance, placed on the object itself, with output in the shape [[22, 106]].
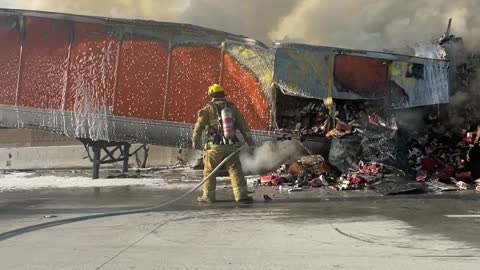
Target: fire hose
[[27, 229]]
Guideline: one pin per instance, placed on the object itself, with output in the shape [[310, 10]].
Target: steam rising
[[270, 155], [360, 24]]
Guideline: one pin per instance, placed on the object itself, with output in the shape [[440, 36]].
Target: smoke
[[270, 155], [360, 24], [251, 18], [411, 120], [376, 25], [463, 108], [165, 10]]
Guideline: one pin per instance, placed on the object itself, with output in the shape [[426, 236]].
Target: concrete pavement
[[409, 232]]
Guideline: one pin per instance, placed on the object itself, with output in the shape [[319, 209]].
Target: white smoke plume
[[165, 10], [360, 24], [377, 25], [252, 18], [270, 155]]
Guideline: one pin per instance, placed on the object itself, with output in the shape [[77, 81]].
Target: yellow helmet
[[215, 89]]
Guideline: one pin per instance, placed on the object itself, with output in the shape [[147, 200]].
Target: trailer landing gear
[[105, 153]]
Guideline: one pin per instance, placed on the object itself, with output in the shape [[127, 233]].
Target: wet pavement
[[313, 230]]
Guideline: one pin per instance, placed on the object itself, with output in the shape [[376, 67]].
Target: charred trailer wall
[[406, 81]]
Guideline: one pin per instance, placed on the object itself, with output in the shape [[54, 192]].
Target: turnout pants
[[213, 156]]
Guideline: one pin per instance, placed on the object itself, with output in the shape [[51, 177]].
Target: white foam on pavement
[[27, 181]]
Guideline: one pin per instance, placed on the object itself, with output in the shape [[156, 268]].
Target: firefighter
[[221, 141]]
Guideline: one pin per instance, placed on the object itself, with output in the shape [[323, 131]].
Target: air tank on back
[[228, 123]]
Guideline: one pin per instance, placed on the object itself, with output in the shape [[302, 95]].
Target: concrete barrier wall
[[72, 156], [43, 157], [26, 137]]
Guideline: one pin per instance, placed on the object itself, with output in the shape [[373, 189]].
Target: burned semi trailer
[[123, 80], [113, 82]]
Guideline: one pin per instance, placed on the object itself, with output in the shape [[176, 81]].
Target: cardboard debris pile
[[446, 159], [370, 159], [353, 118], [304, 117], [378, 142], [312, 171], [362, 142], [361, 177], [307, 117]]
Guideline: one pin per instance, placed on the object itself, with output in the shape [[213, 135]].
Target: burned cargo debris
[[412, 127], [436, 167], [447, 158], [315, 172], [364, 142], [301, 116], [308, 171], [374, 152], [376, 148], [312, 117]]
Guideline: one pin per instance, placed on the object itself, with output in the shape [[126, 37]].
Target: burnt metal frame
[[141, 163], [110, 154]]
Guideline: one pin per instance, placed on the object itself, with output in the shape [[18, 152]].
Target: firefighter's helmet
[[216, 90]]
